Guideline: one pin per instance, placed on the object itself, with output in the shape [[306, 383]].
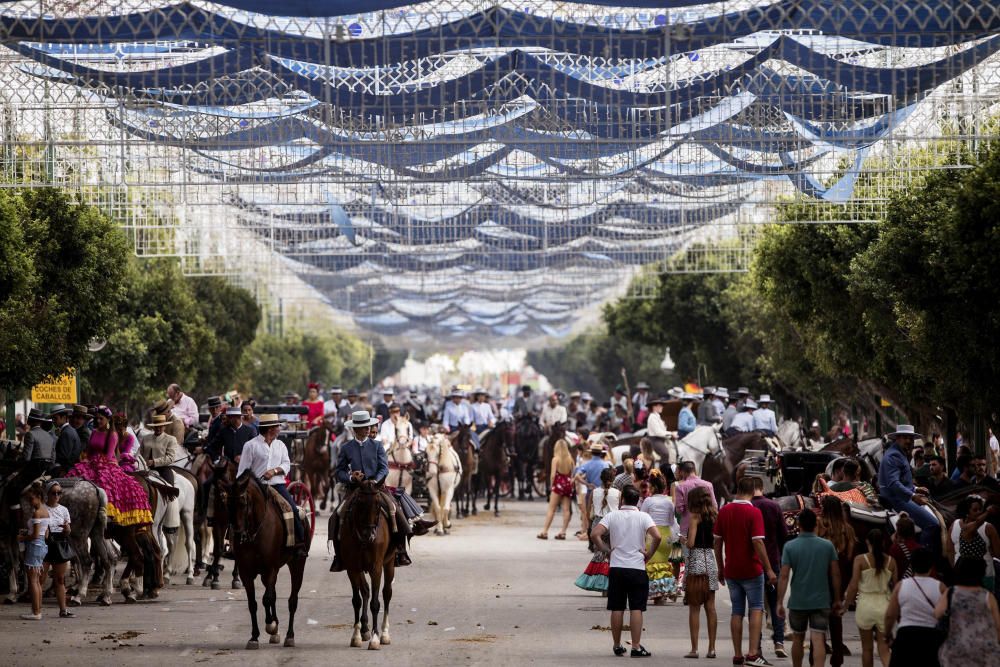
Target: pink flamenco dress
[[128, 504]]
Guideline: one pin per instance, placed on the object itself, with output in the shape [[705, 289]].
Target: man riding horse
[[896, 489], [361, 459]]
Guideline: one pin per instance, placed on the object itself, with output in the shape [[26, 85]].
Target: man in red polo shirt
[[740, 551]]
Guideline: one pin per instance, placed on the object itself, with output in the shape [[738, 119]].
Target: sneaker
[[66, 613], [31, 617], [619, 651], [779, 651], [757, 661]]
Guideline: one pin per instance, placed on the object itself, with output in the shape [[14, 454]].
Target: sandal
[[561, 536], [692, 654], [710, 654], [542, 536]]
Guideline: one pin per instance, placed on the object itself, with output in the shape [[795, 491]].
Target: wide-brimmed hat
[[765, 398], [82, 411], [456, 393], [352, 392], [234, 412], [708, 391], [291, 394], [361, 418], [659, 400], [157, 421], [214, 402], [685, 396], [269, 420], [525, 387], [743, 390], [479, 390], [388, 391], [36, 415], [749, 404], [722, 392], [335, 389], [574, 394], [676, 392], [596, 448], [60, 409], [905, 429], [163, 406], [642, 385], [585, 396]]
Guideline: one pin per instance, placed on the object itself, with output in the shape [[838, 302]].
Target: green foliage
[[62, 269], [593, 361], [234, 315], [273, 365]]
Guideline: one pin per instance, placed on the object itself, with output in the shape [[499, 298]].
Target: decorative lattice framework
[[466, 168]]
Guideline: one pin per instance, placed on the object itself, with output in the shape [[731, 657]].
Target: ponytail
[[607, 476], [874, 539]]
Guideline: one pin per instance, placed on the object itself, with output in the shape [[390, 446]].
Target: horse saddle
[[153, 478], [867, 514], [286, 514]]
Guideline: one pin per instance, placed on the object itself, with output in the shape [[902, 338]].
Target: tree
[[234, 316], [62, 270]]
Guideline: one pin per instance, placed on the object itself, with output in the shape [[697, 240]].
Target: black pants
[[283, 491]]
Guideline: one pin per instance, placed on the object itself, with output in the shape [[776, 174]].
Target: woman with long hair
[[833, 526], [35, 548], [127, 443], [971, 536], [700, 564], [127, 501], [561, 481], [660, 508], [59, 530], [605, 498], [873, 578]]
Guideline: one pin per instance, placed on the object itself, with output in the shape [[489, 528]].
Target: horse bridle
[[372, 528], [244, 536]]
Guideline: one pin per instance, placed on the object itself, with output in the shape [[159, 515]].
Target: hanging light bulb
[[667, 364]]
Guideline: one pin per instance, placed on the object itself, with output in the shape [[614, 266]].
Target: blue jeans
[[777, 623], [743, 591]]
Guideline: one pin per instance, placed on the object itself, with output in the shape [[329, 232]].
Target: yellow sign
[[885, 403], [62, 390]]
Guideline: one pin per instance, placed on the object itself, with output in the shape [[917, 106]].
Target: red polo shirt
[[738, 525]]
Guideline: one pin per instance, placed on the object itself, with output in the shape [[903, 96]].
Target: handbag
[[944, 623], [696, 588], [60, 548]]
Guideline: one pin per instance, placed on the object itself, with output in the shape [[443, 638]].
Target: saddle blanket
[[286, 514]]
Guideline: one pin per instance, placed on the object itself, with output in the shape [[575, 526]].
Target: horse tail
[[152, 557]]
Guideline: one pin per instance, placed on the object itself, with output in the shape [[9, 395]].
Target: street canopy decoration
[[493, 168]]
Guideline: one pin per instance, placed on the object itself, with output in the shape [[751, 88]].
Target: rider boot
[[403, 535], [336, 565]]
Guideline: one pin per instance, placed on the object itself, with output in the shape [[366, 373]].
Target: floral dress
[[128, 504], [972, 637]]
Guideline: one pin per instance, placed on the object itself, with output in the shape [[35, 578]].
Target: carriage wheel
[[303, 498], [538, 482]]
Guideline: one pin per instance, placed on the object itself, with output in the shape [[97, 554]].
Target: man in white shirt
[[185, 408], [552, 413], [267, 458], [628, 584], [482, 412], [336, 407], [743, 422], [764, 419], [388, 433]]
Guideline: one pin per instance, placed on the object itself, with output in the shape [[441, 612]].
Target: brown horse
[[368, 556], [461, 442], [225, 478], [527, 436], [259, 544], [494, 462], [145, 558], [316, 463], [721, 471], [844, 445]]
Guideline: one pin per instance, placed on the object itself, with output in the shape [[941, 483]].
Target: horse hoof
[[271, 628], [190, 581], [76, 602], [131, 599], [237, 584], [275, 639], [366, 636], [215, 585], [290, 642], [374, 645], [253, 645], [355, 642], [384, 639], [105, 601], [439, 532]]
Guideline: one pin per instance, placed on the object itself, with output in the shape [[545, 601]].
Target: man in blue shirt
[[896, 489], [591, 470], [456, 413], [686, 422], [360, 459]]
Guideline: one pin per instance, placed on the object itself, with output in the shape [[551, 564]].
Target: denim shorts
[[743, 591], [817, 620], [34, 554]]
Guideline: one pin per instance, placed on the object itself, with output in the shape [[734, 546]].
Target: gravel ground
[[486, 594]]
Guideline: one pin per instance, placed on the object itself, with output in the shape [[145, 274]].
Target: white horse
[[185, 504], [444, 472], [700, 443], [401, 456], [790, 435]]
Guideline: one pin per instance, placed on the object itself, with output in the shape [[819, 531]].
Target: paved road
[[489, 593]]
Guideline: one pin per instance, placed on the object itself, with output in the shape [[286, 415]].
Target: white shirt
[[187, 410], [764, 420], [627, 535], [332, 407], [655, 426], [387, 433], [743, 422], [58, 516], [482, 413], [994, 444], [917, 597], [597, 500], [553, 415], [259, 457]]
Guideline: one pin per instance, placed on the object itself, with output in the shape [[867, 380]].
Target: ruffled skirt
[[595, 575], [659, 568], [128, 504]]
